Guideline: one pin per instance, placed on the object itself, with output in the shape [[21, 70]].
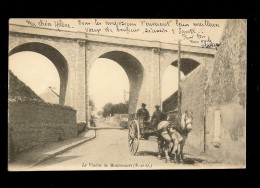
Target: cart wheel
[[133, 137]]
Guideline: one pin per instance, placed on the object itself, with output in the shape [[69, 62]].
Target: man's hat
[[143, 104], [157, 106]]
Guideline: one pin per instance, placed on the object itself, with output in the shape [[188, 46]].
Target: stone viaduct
[[74, 53]]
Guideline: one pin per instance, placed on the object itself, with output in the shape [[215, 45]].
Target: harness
[[163, 132], [179, 128], [165, 128]]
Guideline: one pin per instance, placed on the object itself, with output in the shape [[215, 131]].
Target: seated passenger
[[143, 113], [157, 116]]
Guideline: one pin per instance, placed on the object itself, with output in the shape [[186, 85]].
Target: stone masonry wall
[[192, 98], [34, 124], [223, 83], [226, 92]]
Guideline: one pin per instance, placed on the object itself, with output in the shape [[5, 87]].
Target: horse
[[172, 136]]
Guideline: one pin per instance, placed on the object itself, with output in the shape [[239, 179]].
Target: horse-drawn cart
[[167, 132], [138, 129]]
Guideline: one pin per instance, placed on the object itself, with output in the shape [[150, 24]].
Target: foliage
[[120, 108], [82, 126], [37, 102], [100, 113], [107, 109]]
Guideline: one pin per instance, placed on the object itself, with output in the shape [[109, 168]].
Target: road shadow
[[198, 160], [146, 153], [193, 158], [186, 160], [57, 160]]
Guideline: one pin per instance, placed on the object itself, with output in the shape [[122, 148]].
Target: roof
[[19, 90], [170, 104]]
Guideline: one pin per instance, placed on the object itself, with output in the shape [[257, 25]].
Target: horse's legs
[[177, 152], [166, 152], [176, 148], [181, 153], [166, 140], [160, 147], [181, 148]]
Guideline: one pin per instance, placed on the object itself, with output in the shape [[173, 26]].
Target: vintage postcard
[[126, 94]]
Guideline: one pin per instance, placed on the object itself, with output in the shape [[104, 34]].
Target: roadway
[[109, 150]]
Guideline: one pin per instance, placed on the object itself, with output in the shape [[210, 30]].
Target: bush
[[81, 127], [37, 102], [112, 109]]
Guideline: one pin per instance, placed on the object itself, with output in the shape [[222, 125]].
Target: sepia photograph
[[126, 94]]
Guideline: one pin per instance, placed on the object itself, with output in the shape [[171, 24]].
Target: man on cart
[[143, 113], [157, 116]]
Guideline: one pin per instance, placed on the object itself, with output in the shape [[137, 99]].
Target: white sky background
[[170, 82], [107, 79], [107, 82], [38, 75]]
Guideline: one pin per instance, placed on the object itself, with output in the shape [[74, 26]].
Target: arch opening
[[134, 71], [187, 65], [54, 56], [169, 89], [107, 83]]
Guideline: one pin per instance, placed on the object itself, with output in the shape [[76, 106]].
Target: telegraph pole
[[179, 79], [51, 88]]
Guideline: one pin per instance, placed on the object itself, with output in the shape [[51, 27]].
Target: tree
[[120, 108], [100, 113], [107, 109]]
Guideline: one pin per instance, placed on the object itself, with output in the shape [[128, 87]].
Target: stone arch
[[134, 70], [187, 65], [54, 56]]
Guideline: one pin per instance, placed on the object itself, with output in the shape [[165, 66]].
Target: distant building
[[19, 90], [170, 104]]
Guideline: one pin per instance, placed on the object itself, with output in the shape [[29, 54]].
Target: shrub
[[81, 127]]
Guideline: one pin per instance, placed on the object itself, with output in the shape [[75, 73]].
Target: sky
[[35, 70], [107, 83], [170, 82], [108, 80]]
